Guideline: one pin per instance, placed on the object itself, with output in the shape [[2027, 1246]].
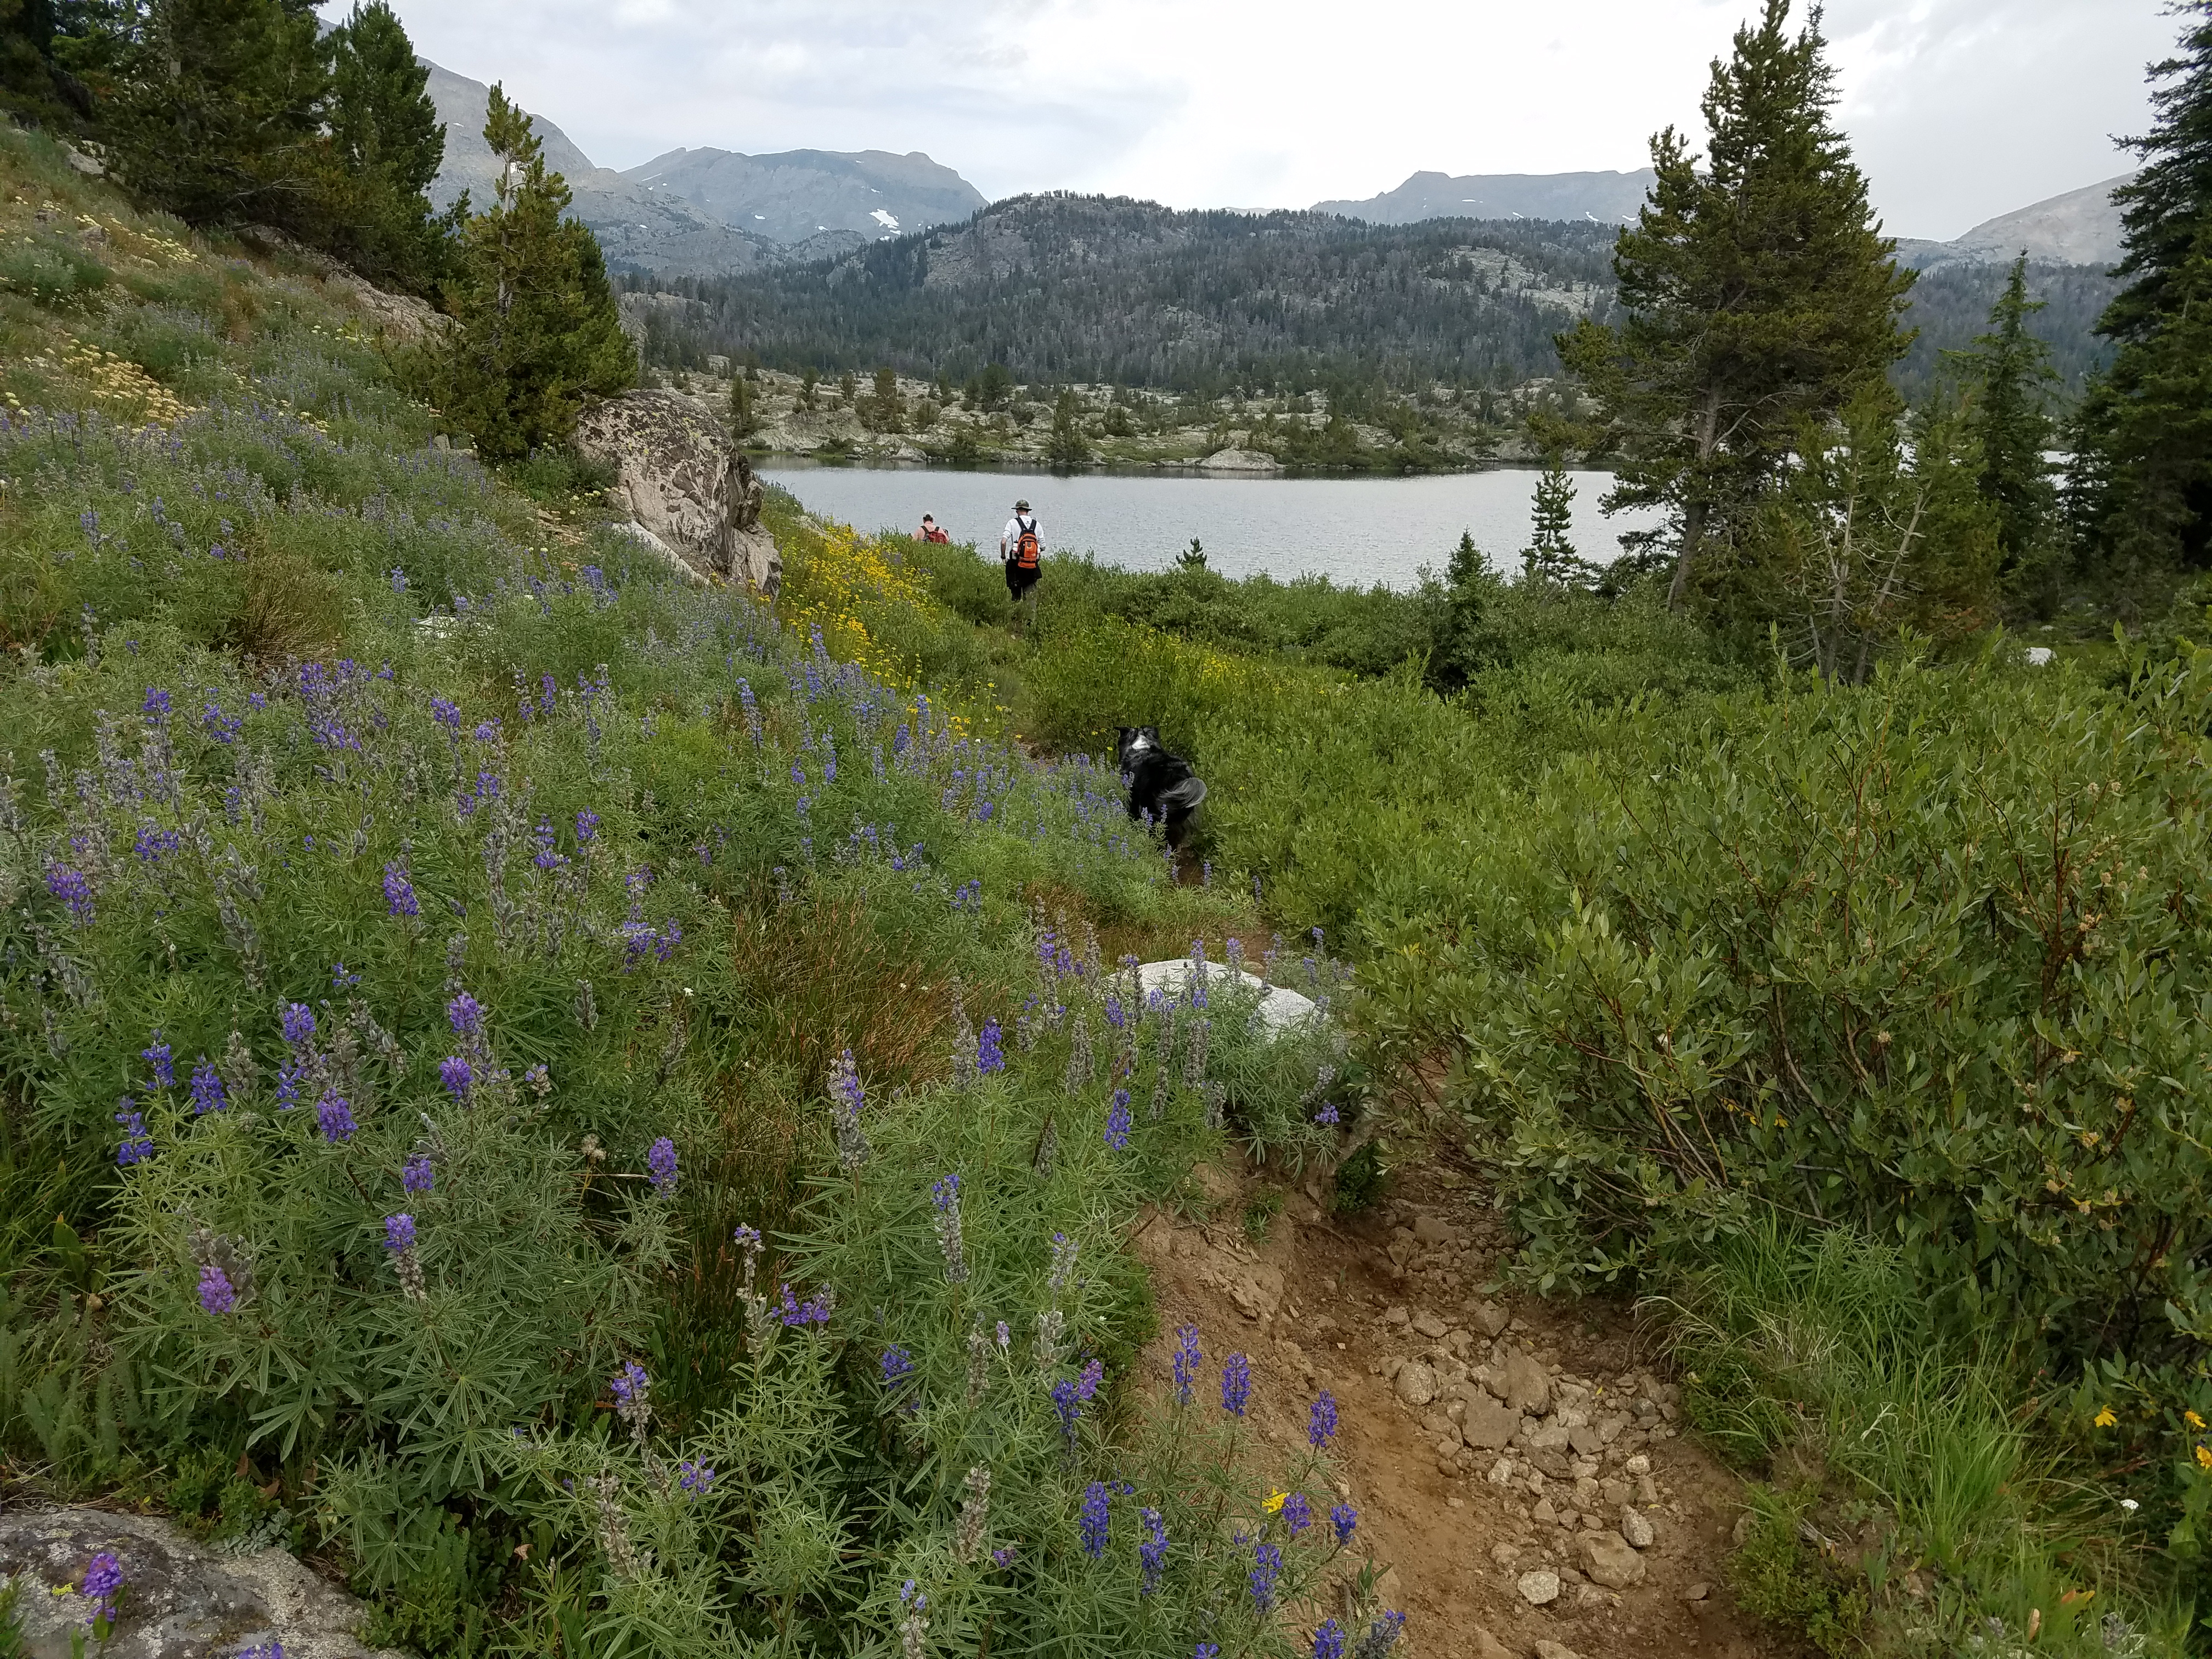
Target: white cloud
[[1960, 109]]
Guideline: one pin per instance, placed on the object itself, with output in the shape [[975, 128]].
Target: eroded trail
[[1518, 1465]]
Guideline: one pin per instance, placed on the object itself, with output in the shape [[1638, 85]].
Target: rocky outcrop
[[179, 1600], [1240, 461], [399, 317], [686, 488]]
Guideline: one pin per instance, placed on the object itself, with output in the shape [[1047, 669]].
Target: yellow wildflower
[[2104, 1418], [2203, 1455], [1276, 1500], [2192, 1420]]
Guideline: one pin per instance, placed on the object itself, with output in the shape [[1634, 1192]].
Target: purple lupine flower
[[103, 1582], [223, 728], [695, 1478], [458, 1075], [631, 1385], [1267, 1571], [1342, 1519], [990, 1048], [1382, 1635], [1236, 1384], [895, 1366], [1067, 1408], [1118, 1121], [399, 892], [1153, 1553], [1186, 1361], [415, 1174], [847, 1099], [287, 1087], [1095, 1519], [155, 708], [815, 1310], [1328, 1116], [400, 1232], [1322, 1426], [944, 1198], [207, 1088], [217, 1295], [1206, 1650], [336, 1117], [73, 888], [1297, 1513], [660, 1164], [158, 1056], [466, 1015], [486, 731], [152, 844], [398, 580], [1003, 1557], [587, 826], [1328, 1640], [137, 1146], [298, 1024], [343, 978]]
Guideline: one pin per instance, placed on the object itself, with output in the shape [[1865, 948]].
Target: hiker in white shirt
[[1021, 549]]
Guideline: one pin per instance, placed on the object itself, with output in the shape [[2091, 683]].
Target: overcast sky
[[1960, 109]]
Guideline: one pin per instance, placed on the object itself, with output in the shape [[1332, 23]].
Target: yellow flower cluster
[[850, 586], [114, 379]]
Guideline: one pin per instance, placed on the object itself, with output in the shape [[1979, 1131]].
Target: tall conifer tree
[[2141, 490], [537, 330], [1760, 291], [2008, 371]]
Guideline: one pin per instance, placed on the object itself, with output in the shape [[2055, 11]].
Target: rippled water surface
[[1356, 531]]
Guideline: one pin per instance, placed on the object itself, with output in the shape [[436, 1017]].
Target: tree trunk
[[1693, 530]]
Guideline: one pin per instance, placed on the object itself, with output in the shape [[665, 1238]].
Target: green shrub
[[49, 271]]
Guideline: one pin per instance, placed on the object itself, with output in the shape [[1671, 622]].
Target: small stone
[[1609, 1561], [1614, 1493], [1550, 1650], [1506, 1555], [1589, 1595], [1523, 1385], [1638, 1464], [1487, 1646], [1697, 1592], [1636, 1528], [1448, 1449], [1585, 1439], [1427, 1324], [1544, 1514], [1488, 1423], [1395, 1317], [1540, 1589], [1488, 1318], [1585, 1492], [1416, 1383], [1432, 1230], [1647, 1490]]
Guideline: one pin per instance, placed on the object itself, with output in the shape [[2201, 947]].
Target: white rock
[[1546, 1648], [1638, 1464], [1280, 1008], [1636, 1528], [1541, 1588], [1417, 1383], [1501, 1473], [1609, 1561]]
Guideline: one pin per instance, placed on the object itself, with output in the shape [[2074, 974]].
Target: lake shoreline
[[764, 461]]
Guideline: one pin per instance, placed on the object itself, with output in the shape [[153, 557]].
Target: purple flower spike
[[1186, 1361], [415, 1175], [217, 1295], [587, 827], [1118, 1122], [1328, 1640], [990, 1048], [465, 1014], [1342, 1519], [1153, 1553], [1236, 1384], [207, 1088], [660, 1163], [1267, 1571], [299, 1022], [1297, 1513], [103, 1581], [73, 888], [164, 1063], [1095, 1519], [399, 892], [457, 1075], [137, 1146], [400, 1231], [336, 1117], [1322, 1428], [897, 1365], [695, 1478]]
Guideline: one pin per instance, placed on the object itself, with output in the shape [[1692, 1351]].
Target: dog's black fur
[[1158, 783]]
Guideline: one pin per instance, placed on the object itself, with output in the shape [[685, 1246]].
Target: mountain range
[[712, 212]]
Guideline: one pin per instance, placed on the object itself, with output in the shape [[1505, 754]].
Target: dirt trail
[[1348, 1303]]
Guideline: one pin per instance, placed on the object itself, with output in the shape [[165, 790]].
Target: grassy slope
[[307, 715]]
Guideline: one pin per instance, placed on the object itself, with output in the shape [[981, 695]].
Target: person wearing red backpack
[[1021, 548]]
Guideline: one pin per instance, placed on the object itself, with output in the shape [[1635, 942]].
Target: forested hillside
[[1066, 287], [1101, 290]]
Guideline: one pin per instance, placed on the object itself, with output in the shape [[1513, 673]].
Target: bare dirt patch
[[1497, 1448]]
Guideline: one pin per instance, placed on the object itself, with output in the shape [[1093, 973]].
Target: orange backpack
[[1026, 549]]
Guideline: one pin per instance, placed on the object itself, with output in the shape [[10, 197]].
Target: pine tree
[[1067, 446], [1550, 559], [2140, 491], [2007, 372], [745, 418], [1759, 292], [386, 142], [218, 116], [536, 328]]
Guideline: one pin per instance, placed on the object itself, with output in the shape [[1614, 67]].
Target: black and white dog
[[1163, 789]]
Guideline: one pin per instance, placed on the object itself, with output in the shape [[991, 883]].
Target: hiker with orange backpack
[[1021, 548]]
